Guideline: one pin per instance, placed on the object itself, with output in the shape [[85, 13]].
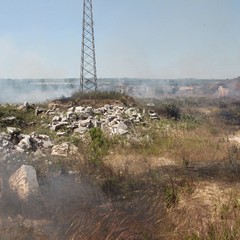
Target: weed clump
[[98, 147]]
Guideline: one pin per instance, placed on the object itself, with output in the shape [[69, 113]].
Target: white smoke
[[25, 63]]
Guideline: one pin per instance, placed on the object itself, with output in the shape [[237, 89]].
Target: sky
[[133, 38]]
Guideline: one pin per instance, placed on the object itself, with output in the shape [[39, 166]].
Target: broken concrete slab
[[120, 128]]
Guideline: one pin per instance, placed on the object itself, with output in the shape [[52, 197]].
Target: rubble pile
[[15, 141], [111, 119]]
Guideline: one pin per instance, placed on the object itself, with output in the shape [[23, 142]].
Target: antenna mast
[[88, 75]]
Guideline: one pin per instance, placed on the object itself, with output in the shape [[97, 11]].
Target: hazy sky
[[134, 38]]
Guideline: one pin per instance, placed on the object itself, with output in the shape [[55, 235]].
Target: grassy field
[[174, 178]]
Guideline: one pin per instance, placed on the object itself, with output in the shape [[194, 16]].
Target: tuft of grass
[[98, 146], [171, 196]]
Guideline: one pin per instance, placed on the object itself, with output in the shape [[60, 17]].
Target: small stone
[[25, 143], [120, 128], [73, 150], [12, 130], [39, 153], [80, 130], [58, 126], [8, 119], [56, 119], [60, 134], [60, 150]]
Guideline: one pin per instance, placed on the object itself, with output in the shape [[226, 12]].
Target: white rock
[[12, 130], [60, 150], [5, 143], [19, 149], [26, 104], [56, 119], [46, 143], [79, 109], [25, 143], [43, 136], [73, 150], [61, 134], [80, 130], [84, 123], [120, 128], [58, 126]]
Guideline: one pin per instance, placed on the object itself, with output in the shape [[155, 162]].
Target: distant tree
[[173, 111]]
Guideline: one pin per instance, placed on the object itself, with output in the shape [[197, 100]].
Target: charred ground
[[176, 177]]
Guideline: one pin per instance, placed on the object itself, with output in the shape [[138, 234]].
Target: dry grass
[[173, 180]]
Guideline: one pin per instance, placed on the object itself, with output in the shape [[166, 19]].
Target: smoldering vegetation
[[153, 205], [36, 90], [75, 207], [187, 186]]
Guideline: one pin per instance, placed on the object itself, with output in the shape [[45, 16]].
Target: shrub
[[98, 147], [173, 111]]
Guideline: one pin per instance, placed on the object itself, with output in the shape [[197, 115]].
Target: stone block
[[24, 181]]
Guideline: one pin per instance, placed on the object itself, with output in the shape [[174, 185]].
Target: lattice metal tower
[[88, 75]]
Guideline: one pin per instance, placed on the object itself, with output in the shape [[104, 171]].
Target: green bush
[[173, 111], [98, 147]]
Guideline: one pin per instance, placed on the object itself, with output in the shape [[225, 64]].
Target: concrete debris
[[25, 106], [120, 128], [39, 110], [13, 130], [24, 181], [15, 141], [25, 143], [60, 150], [60, 134], [153, 116], [59, 125], [43, 141], [73, 150], [80, 130], [8, 119], [112, 119]]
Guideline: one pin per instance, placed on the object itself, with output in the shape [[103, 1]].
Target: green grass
[[22, 117]]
